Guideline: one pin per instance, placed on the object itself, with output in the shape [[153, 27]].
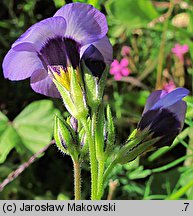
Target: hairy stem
[[100, 178], [109, 170], [93, 160], [77, 180]]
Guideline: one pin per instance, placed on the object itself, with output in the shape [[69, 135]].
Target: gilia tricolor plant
[[67, 56]]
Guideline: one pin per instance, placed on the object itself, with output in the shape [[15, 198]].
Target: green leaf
[[34, 125], [8, 140], [170, 165], [139, 173], [3, 122], [181, 191], [131, 14], [59, 3], [8, 137], [186, 176]]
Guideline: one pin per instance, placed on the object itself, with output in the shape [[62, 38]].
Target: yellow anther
[[63, 78]]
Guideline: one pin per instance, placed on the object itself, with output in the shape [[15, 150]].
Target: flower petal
[[92, 53], [115, 63], [39, 33], [179, 109], [185, 48], [20, 65], [125, 71], [162, 123], [124, 62], [85, 24], [25, 46], [94, 61], [171, 98], [104, 47], [114, 71], [42, 83], [152, 99], [118, 76]]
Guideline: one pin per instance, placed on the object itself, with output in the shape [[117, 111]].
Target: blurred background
[[153, 49]]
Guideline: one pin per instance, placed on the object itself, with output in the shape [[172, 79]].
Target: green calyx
[[74, 98], [138, 143], [110, 132], [94, 87], [104, 132], [65, 138]]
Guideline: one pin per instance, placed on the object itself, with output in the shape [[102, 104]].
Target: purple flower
[[164, 115], [76, 32], [180, 50]]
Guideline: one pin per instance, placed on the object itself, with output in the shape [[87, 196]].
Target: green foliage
[[8, 140], [59, 3], [27, 127], [131, 14], [29, 132]]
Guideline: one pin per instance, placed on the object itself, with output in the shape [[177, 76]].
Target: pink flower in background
[[170, 86], [125, 50], [180, 50], [120, 69]]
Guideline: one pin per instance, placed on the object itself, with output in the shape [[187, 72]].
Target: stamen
[[58, 73]]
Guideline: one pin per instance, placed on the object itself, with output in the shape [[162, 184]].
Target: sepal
[[70, 86], [66, 98], [109, 132], [78, 96], [83, 141], [65, 137], [99, 133], [138, 143], [94, 86]]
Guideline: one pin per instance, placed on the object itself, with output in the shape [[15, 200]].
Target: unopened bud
[[74, 124]]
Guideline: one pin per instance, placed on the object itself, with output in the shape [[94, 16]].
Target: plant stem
[[93, 160], [162, 46], [99, 154], [112, 188], [94, 116], [77, 180], [109, 170], [180, 192], [100, 178]]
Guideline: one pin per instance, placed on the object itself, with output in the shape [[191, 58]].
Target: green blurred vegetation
[[26, 117]]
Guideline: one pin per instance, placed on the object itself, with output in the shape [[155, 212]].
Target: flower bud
[[74, 124], [164, 115], [94, 86], [162, 120], [64, 137]]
